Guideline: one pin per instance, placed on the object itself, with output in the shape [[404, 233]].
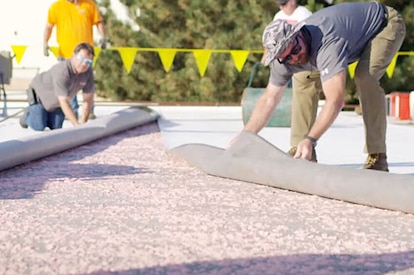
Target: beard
[[303, 59]]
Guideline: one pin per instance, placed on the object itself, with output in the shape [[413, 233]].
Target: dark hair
[[84, 46], [281, 2]]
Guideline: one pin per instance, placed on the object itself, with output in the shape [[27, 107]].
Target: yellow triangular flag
[[128, 57], [239, 58], [55, 51], [202, 57], [18, 52], [167, 57], [97, 51], [391, 67], [351, 69]]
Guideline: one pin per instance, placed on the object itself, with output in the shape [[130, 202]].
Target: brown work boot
[[377, 161], [292, 152]]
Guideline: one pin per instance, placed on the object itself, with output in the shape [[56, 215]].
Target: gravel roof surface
[[123, 205]]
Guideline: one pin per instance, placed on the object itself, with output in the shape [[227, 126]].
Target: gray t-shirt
[[338, 36], [61, 80]]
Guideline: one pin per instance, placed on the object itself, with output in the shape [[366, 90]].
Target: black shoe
[[377, 161], [22, 119], [293, 150]]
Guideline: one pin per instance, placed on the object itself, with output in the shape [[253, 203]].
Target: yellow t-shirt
[[74, 23]]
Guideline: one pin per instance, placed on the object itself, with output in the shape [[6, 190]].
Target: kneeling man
[[51, 92]]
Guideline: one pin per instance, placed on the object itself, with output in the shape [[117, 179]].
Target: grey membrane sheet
[[253, 159], [19, 151]]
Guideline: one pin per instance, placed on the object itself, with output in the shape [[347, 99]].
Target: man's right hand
[[46, 50], [232, 141]]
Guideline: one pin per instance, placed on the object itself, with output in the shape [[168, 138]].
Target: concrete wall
[[22, 23]]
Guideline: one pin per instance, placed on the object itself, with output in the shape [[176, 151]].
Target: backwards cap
[[277, 36]]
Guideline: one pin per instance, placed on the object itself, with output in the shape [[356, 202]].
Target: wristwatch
[[313, 140]]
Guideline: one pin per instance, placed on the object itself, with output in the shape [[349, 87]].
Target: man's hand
[[64, 102], [233, 140], [304, 150], [46, 50], [103, 42]]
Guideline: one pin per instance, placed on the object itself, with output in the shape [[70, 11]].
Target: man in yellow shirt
[[74, 21]]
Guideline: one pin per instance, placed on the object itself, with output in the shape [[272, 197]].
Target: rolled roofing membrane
[[253, 159], [19, 151]]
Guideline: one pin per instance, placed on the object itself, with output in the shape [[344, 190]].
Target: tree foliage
[[204, 24]]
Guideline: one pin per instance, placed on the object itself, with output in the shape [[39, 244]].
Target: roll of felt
[[20, 151], [252, 159]]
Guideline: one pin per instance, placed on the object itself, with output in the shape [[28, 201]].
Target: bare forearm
[[47, 33], [264, 108], [67, 111], [87, 107], [101, 29], [334, 89], [325, 119]]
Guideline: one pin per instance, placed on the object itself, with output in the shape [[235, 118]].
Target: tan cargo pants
[[370, 69], [306, 87]]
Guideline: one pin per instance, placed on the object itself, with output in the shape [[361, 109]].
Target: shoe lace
[[292, 151], [372, 159]]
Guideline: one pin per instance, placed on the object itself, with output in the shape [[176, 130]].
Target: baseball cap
[[281, 2], [277, 36]]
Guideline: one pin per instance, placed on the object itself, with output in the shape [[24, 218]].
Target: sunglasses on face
[[85, 60], [295, 50]]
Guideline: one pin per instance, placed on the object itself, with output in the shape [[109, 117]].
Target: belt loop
[[385, 9]]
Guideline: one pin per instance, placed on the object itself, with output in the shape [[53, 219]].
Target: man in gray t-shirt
[[328, 41], [51, 92]]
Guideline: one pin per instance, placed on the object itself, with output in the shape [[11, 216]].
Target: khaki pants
[[370, 69], [306, 87]]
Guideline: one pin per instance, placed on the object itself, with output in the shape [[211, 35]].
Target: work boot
[[377, 161], [22, 119], [292, 152]]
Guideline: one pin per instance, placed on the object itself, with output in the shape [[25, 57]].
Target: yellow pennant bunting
[[351, 69], [127, 56], [18, 51], [167, 58], [391, 67], [405, 53], [97, 51], [55, 51], [202, 57], [239, 58]]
